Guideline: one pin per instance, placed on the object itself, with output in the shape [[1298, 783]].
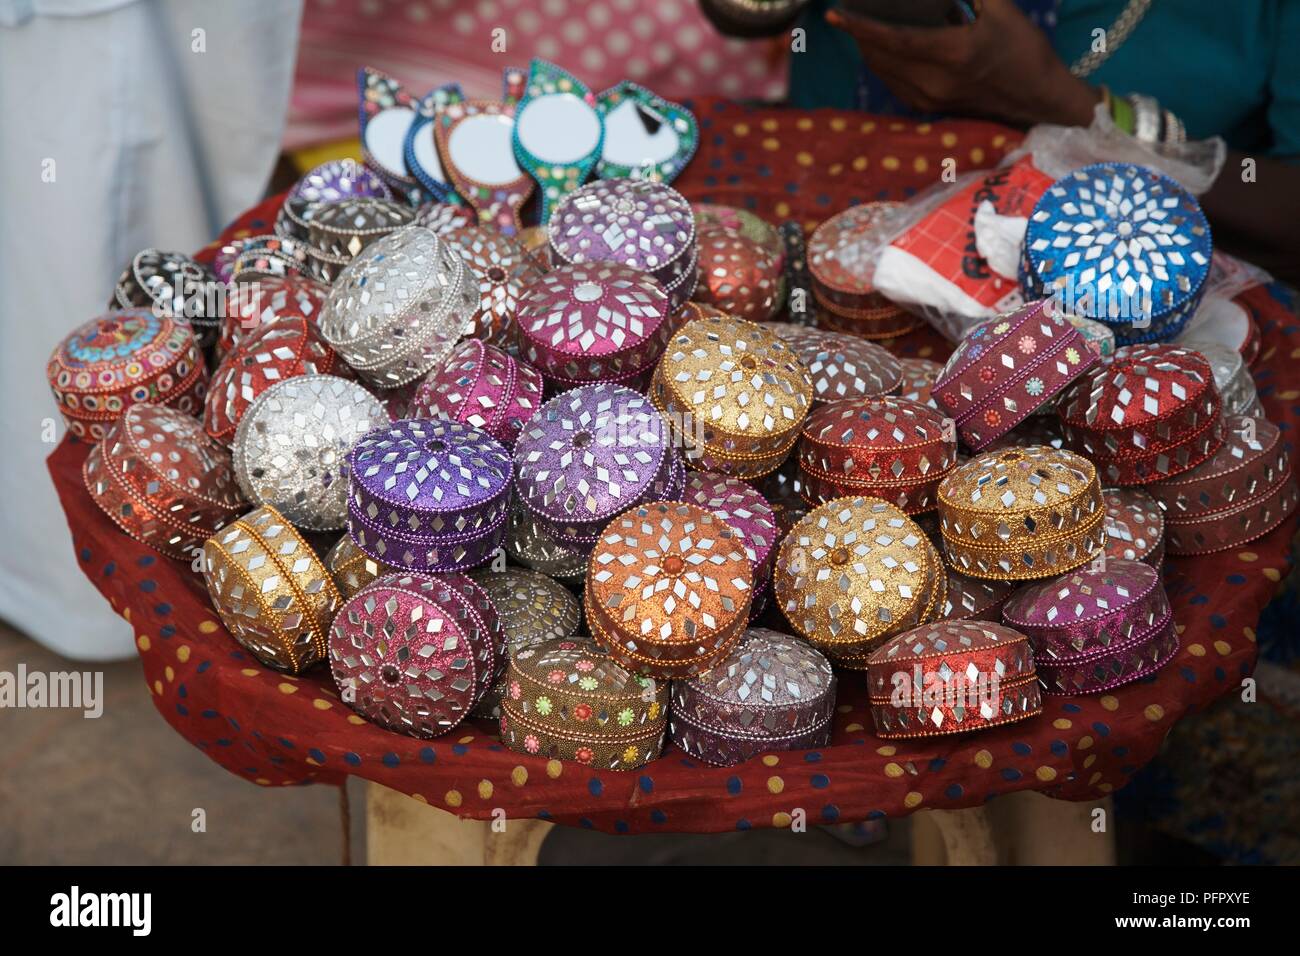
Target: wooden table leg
[[404, 832], [954, 837], [1018, 829], [1034, 830]]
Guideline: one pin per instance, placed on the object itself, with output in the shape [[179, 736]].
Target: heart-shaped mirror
[[386, 114], [474, 139], [420, 152], [558, 132], [646, 136]]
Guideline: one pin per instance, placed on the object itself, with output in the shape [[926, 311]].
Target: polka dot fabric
[[278, 731]]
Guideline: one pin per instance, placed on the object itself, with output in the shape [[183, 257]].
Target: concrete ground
[[123, 789]]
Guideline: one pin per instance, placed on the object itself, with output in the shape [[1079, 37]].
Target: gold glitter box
[[271, 591], [734, 393], [855, 572], [1022, 513]]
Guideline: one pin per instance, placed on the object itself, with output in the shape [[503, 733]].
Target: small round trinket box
[[411, 652], [273, 353], [338, 231], [635, 222], [842, 366], [596, 322], [1009, 367], [668, 589], [853, 573], [399, 308], [951, 677], [1094, 628], [1021, 513], [738, 275], [568, 699], [291, 446], [162, 480], [839, 263], [271, 591], [773, 692], [428, 495], [741, 222], [483, 386], [1122, 244], [530, 543], [1240, 493], [734, 394], [339, 179], [173, 284], [266, 256], [255, 301], [1144, 414], [442, 219], [122, 359], [331, 182], [503, 271], [744, 510], [919, 376], [351, 568], [888, 448], [1135, 526], [588, 454], [533, 608], [1231, 377], [712, 217]]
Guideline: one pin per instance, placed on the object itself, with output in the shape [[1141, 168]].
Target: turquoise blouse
[[1226, 68]]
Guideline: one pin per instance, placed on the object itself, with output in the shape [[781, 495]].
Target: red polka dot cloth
[[277, 730]]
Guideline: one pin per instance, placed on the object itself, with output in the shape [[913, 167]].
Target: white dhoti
[[125, 124]]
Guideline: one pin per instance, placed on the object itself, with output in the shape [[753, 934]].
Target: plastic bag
[[950, 254], [933, 264]]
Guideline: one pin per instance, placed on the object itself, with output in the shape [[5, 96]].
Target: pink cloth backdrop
[[666, 45]]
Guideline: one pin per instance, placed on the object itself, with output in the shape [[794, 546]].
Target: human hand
[[1000, 67]]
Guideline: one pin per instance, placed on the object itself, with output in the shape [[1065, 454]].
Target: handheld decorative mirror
[[474, 144], [420, 153], [558, 132], [386, 113], [513, 83], [646, 136]]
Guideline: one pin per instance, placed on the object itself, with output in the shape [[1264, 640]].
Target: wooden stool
[[1019, 829]]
